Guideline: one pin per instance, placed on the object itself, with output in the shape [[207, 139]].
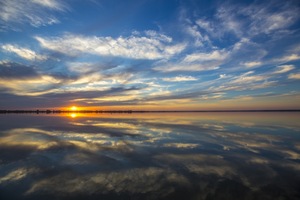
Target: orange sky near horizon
[[275, 103]]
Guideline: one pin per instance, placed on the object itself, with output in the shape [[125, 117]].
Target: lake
[[150, 156]]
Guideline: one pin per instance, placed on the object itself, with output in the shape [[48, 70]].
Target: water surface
[[150, 156]]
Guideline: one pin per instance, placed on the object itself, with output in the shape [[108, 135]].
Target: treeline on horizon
[[65, 111], [48, 111]]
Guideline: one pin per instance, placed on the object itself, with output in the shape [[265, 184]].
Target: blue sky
[[162, 55]]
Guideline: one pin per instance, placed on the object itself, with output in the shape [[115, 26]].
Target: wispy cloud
[[33, 12], [195, 62], [294, 76], [52, 4], [20, 79], [228, 19], [23, 52], [83, 67], [288, 58], [252, 64], [284, 68], [199, 37], [265, 20], [206, 26], [248, 79], [202, 57], [176, 67], [154, 46], [256, 18], [180, 79]]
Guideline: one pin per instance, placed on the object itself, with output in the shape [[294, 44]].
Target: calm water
[[150, 156]]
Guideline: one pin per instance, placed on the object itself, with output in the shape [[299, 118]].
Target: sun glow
[[73, 108]]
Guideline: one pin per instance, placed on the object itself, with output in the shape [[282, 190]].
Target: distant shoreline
[[131, 111]]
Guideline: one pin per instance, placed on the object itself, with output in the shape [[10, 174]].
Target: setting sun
[[73, 108]]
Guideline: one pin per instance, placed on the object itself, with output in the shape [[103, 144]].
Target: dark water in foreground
[[150, 156]]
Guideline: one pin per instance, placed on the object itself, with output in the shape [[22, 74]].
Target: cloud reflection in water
[[151, 156]]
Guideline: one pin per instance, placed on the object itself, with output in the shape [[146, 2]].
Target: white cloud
[[171, 67], [294, 76], [82, 67], [156, 46], [229, 21], [195, 62], [271, 18], [180, 79], [154, 34], [284, 68], [252, 64], [206, 25], [33, 12], [52, 4], [245, 81], [169, 51], [223, 75], [288, 58], [265, 20], [201, 57], [23, 52], [199, 38], [3, 62], [248, 79], [31, 87]]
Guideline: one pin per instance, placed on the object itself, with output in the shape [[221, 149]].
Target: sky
[[149, 54]]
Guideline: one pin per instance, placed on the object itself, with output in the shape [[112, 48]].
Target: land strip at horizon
[[49, 111]]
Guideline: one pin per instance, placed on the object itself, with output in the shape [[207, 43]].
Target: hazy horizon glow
[[149, 55]]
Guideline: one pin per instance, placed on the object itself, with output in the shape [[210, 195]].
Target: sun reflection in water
[[73, 115]]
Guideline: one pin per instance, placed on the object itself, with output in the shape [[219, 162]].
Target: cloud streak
[[33, 12], [284, 68], [203, 61], [294, 76], [180, 79], [23, 52], [152, 47]]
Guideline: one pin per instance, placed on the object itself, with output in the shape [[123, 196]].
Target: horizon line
[[54, 111]]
